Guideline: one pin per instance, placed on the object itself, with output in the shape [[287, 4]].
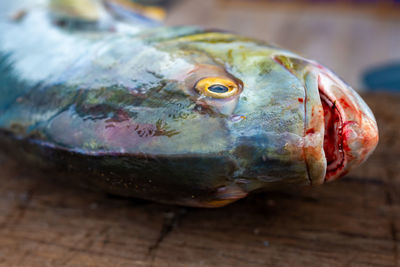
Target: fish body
[[173, 114]]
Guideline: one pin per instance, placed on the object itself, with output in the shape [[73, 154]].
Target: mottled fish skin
[[117, 110]]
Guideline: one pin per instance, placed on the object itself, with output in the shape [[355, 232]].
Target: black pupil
[[218, 88]]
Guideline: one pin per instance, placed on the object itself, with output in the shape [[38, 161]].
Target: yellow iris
[[217, 87]]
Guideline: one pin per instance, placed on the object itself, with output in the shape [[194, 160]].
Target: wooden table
[[352, 222]]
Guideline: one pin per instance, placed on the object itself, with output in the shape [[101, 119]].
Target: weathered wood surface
[[352, 222]]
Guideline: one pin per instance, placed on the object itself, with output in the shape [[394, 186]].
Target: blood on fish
[[345, 104], [333, 138], [310, 131]]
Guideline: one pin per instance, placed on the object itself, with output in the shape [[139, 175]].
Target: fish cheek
[[223, 107]]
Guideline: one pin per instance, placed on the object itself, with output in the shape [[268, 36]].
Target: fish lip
[[356, 132]]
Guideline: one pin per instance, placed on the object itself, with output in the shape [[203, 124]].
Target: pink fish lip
[[351, 132]]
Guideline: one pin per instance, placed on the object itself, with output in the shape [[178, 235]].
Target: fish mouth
[[340, 131], [333, 136], [351, 132]]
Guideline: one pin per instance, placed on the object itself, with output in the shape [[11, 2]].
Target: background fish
[[172, 114]]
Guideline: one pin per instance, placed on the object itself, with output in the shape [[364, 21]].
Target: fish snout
[[351, 132]]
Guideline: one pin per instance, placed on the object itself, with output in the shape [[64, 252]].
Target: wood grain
[[352, 222]]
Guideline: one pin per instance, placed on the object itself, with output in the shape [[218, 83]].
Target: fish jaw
[[340, 131], [351, 132]]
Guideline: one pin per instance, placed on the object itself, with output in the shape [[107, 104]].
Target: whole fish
[[100, 94]]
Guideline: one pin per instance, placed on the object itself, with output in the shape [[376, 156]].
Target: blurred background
[[358, 39]]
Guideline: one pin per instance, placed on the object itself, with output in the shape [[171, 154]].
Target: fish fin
[[83, 10], [105, 15], [135, 13], [224, 196]]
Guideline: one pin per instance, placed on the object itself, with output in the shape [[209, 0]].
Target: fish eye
[[217, 87]]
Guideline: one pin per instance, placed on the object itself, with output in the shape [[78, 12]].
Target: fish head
[[287, 118]]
